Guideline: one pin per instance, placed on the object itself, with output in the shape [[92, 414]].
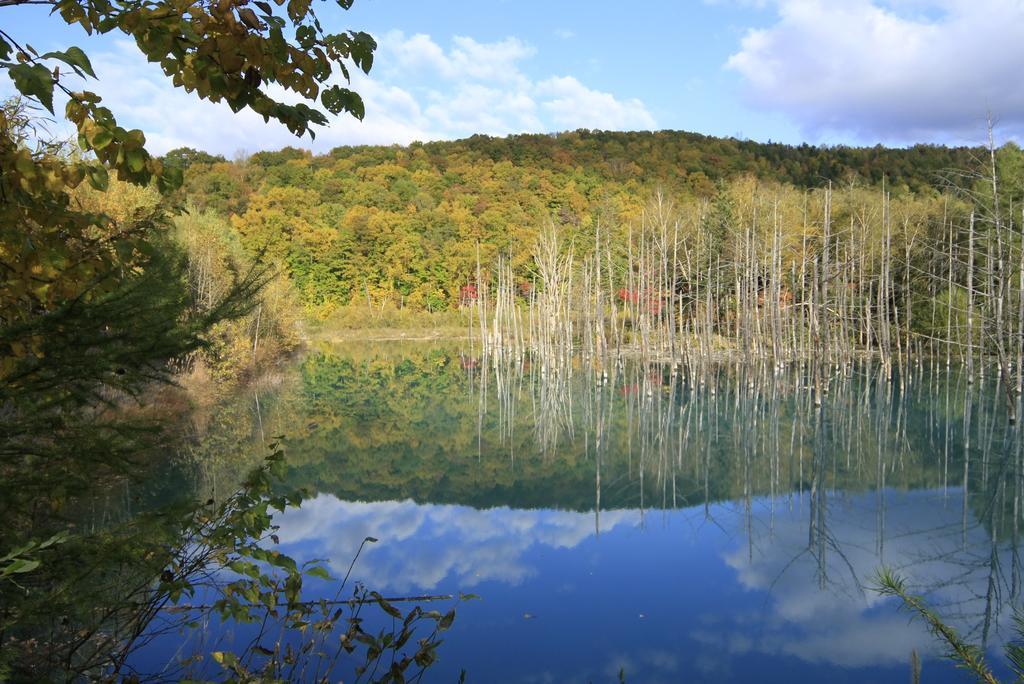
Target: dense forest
[[676, 245], [409, 226]]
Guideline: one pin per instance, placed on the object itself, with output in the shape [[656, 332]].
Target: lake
[[652, 525]]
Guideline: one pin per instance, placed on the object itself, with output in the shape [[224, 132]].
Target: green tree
[[185, 157], [97, 302], [65, 269]]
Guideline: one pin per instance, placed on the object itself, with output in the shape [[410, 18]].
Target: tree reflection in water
[[508, 477]]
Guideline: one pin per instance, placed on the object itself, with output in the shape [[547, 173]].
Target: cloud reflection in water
[[422, 545], [715, 598]]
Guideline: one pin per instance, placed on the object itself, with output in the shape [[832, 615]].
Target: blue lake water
[[655, 525]]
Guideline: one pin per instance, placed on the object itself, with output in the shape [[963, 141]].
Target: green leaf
[[170, 180], [306, 36], [58, 538], [19, 551], [73, 57], [98, 177], [319, 571], [34, 80], [278, 469], [337, 99], [136, 159], [101, 139], [363, 46], [20, 566], [250, 19]]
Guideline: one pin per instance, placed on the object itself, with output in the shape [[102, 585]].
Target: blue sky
[[846, 71]]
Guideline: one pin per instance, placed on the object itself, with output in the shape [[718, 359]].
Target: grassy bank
[[389, 322]]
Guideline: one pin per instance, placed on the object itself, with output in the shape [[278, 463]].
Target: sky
[[859, 72]]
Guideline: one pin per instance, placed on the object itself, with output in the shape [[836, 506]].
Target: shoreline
[[388, 335]]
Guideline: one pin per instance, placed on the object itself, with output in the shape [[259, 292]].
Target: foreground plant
[[95, 310], [966, 655], [215, 563]]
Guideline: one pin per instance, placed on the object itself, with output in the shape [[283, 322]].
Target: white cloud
[[418, 91], [896, 71], [477, 108], [467, 60], [420, 546], [821, 608], [816, 608], [573, 105]]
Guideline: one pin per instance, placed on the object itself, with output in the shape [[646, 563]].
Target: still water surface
[[647, 523]]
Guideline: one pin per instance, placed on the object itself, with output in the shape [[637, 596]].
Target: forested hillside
[[408, 226]]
